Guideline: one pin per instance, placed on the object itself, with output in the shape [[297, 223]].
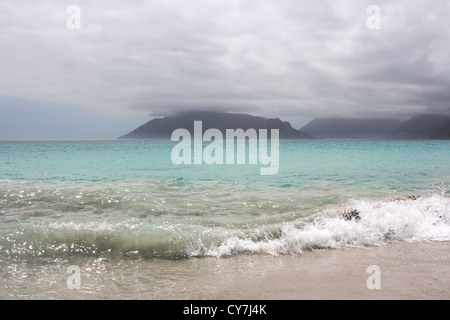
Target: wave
[[356, 223], [379, 222]]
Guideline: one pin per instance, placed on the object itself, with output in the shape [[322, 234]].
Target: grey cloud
[[289, 58]]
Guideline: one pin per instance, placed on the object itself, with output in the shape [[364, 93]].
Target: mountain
[[443, 133], [351, 128], [162, 128], [428, 126]]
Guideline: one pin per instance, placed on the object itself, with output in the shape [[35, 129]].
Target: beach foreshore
[[392, 271], [406, 271]]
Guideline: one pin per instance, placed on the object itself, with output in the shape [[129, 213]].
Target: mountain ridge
[[350, 128], [425, 126], [162, 128]]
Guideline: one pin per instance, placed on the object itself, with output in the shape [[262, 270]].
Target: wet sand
[[407, 271]]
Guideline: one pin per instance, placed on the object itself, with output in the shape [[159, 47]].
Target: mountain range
[[350, 128], [426, 126]]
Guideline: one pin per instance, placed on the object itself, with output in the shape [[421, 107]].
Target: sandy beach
[[407, 271]]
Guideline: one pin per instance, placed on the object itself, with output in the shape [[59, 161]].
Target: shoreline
[[408, 271]]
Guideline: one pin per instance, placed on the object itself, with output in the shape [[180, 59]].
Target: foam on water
[[379, 222], [425, 219]]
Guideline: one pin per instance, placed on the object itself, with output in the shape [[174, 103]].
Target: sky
[[100, 72]]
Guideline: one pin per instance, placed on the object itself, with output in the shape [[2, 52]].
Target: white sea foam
[[424, 219]]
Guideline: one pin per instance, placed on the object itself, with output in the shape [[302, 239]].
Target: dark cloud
[[290, 59]]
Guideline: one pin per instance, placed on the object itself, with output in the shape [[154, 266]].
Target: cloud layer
[[293, 59]]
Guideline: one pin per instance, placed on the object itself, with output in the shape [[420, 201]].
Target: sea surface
[[114, 206]]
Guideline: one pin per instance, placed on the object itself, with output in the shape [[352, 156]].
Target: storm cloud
[[293, 59]]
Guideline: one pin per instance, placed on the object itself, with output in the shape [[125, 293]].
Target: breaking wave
[[355, 223]]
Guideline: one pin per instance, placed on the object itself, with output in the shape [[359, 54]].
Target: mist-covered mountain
[[162, 128], [443, 133], [351, 128], [429, 126], [419, 127], [426, 126]]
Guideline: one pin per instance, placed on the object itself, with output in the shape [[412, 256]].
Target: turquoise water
[[122, 199], [373, 164]]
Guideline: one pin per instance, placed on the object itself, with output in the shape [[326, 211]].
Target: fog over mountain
[[350, 128], [428, 126]]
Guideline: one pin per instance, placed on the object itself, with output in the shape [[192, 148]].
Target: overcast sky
[[293, 59]]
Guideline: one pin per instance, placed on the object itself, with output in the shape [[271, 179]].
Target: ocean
[[139, 226]]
